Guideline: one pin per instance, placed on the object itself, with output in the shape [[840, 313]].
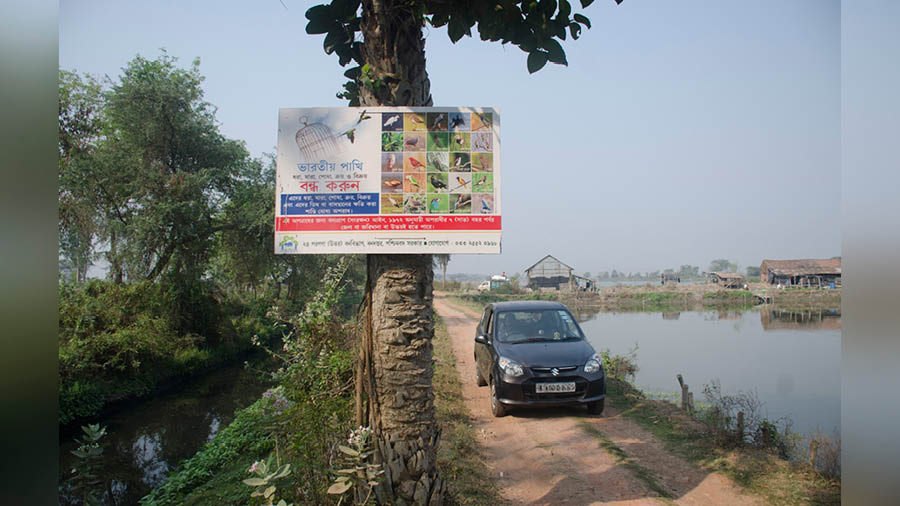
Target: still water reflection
[[146, 442], [791, 360]]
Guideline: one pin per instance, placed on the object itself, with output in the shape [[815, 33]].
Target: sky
[[679, 133]]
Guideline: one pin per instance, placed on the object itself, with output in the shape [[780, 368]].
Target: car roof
[[527, 305]]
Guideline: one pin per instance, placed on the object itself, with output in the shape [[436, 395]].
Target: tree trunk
[[399, 370], [396, 353]]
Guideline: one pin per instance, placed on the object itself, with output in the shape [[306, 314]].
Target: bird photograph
[[413, 164], [414, 204], [391, 141], [414, 121], [459, 121], [391, 183], [483, 183], [412, 142], [482, 141], [481, 121], [437, 162], [389, 163], [483, 162], [486, 204], [437, 121], [391, 204], [437, 204], [391, 122], [461, 182], [438, 141], [412, 184], [459, 141], [462, 203], [438, 183], [460, 162]]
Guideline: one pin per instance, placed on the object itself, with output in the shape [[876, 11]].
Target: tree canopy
[[535, 27]]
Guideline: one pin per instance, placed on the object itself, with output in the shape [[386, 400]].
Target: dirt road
[[548, 457]]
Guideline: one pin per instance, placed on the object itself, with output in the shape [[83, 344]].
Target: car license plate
[[552, 388]]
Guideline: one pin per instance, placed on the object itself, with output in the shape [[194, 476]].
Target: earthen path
[[546, 457]]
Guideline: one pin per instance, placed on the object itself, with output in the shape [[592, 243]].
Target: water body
[[790, 359], [147, 441]]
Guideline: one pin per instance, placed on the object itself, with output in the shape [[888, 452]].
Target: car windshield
[[542, 325]]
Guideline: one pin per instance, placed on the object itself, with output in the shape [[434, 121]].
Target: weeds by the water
[[779, 481]]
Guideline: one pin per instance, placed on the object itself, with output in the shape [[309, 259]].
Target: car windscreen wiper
[[539, 339]]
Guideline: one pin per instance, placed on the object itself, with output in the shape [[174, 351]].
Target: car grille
[[546, 370]]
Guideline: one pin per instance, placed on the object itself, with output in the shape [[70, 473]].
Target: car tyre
[[596, 407], [478, 379], [497, 407]]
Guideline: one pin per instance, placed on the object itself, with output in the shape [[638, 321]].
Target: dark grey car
[[533, 353]]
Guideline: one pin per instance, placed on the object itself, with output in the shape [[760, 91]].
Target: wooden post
[[740, 428], [684, 397], [691, 403]]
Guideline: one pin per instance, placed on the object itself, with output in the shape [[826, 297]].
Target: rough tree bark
[[395, 370]]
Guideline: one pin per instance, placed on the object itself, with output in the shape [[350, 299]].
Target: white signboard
[[388, 180]]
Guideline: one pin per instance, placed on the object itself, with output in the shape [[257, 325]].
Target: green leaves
[[535, 26], [582, 19], [555, 52], [320, 19], [456, 29], [536, 61], [349, 451], [340, 486]]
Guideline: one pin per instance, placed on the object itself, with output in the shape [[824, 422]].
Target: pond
[[147, 441], [791, 360]]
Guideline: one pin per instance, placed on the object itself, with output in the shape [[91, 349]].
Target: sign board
[[388, 180]]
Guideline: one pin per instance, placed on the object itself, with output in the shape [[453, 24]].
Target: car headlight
[[593, 364], [509, 367]]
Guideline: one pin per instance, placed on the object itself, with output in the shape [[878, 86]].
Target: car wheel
[[497, 407], [596, 407], [478, 379]]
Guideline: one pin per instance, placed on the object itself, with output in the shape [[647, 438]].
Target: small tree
[[722, 265], [442, 260]]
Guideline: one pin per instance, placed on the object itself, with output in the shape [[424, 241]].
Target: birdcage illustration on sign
[[316, 141]]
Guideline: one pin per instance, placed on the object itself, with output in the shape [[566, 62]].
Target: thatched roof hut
[[804, 272], [727, 279]]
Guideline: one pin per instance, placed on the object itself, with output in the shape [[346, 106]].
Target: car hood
[[548, 353]]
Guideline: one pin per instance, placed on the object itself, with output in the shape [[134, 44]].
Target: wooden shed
[[549, 272], [806, 272], [727, 279]]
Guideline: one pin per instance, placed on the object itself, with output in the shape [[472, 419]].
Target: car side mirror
[[481, 339]]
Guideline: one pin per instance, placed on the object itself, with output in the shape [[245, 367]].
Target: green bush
[[79, 399], [123, 340]]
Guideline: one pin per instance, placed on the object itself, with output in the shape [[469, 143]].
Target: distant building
[[550, 273], [807, 272], [727, 279]]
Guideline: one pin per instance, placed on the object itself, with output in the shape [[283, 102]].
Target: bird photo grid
[[437, 163], [388, 180]]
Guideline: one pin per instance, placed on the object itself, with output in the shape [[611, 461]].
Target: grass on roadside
[[459, 461], [778, 481]]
